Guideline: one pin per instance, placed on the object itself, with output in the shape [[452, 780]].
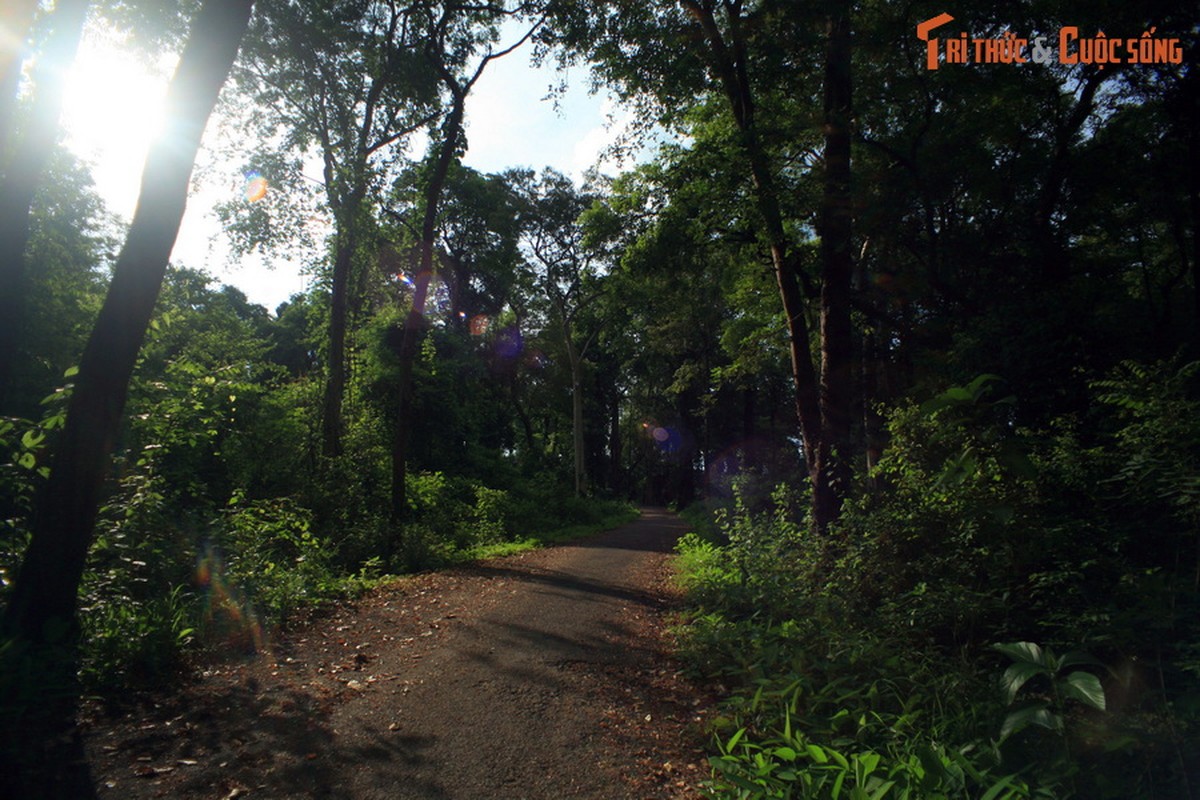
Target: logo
[[1099, 50]]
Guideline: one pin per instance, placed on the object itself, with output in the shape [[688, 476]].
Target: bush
[[863, 661], [272, 555]]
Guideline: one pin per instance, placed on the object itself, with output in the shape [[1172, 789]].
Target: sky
[[113, 108]]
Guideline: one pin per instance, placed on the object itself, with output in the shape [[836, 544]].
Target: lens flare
[[437, 302], [509, 343], [227, 613], [255, 187], [479, 324]]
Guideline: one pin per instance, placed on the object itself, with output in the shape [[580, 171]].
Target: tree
[[730, 49], [453, 36], [565, 272], [40, 623], [351, 83]]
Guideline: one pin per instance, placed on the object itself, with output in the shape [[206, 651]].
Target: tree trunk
[[837, 269], [42, 613], [577, 443], [414, 323], [616, 483], [730, 64], [22, 175], [335, 381]]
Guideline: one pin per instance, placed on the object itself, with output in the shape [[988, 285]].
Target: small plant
[[1047, 711], [1057, 687]]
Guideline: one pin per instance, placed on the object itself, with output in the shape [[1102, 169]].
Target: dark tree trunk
[[837, 270], [730, 63], [414, 323], [42, 614], [335, 381], [23, 173], [616, 482]]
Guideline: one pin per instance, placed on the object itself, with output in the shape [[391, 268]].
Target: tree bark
[[577, 443], [335, 380], [615, 475], [837, 269], [23, 173], [41, 618], [729, 63]]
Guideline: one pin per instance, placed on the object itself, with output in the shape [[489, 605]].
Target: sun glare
[[112, 110]]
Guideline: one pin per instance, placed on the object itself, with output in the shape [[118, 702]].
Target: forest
[[898, 307]]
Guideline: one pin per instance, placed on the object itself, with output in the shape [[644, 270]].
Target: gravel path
[[536, 676]]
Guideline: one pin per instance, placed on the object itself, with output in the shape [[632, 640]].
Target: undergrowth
[[914, 651]]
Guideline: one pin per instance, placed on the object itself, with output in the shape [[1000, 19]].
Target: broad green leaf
[[1022, 651], [817, 754], [882, 789], [1016, 676], [1084, 687], [786, 753], [31, 439], [1030, 715], [981, 385]]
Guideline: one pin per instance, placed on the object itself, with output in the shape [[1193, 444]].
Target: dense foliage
[[919, 348], [930, 627]]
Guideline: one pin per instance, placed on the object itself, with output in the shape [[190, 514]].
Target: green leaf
[[1016, 676], [1084, 687], [1030, 715], [31, 439], [999, 786], [27, 460], [979, 387], [1022, 651], [745, 785], [869, 762], [71, 372], [882, 790], [817, 754], [837, 784], [786, 753]]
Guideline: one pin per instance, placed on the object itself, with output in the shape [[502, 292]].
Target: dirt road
[[536, 676]]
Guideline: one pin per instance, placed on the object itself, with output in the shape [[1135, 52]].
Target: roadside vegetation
[[920, 335], [1005, 613]]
